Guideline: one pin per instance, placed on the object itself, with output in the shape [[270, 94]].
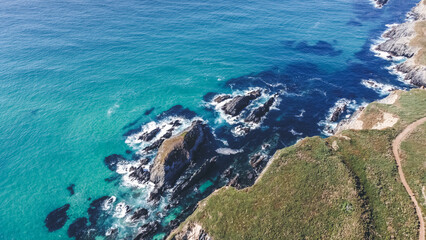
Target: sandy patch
[[389, 120], [391, 99]]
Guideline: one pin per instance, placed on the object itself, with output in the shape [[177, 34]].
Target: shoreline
[[403, 45]]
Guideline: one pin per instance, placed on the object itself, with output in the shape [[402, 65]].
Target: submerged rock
[[95, 209], [78, 229], [175, 154], [257, 114], [112, 160], [235, 106], [57, 218], [70, 188]]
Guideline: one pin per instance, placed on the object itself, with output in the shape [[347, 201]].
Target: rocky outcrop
[[148, 136], [222, 98], [257, 114], [192, 231], [337, 112], [139, 214], [380, 3], [140, 174], [195, 177], [112, 160], [57, 218], [404, 40], [176, 153], [237, 104]]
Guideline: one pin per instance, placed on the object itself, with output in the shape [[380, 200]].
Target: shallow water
[[77, 75]]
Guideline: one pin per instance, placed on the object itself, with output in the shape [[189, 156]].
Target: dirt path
[[396, 149]]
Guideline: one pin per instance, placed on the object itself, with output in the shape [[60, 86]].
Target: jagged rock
[[155, 195], [195, 177], [173, 224], [336, 114], [175, 154], [154, 145], [222, 98], [140, 174], [112, 160], [256, 159], [139, 214], [398, 40], [148, 136], [234, 182], [257, 114], [57, 218], [380, 3], [235, 106], [147, 229], [192, 231], [228, 172], [413, 73]]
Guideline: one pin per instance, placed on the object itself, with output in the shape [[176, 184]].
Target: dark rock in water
[[140, 174], [148, 136], [175, 154], [336, 114], [234, 182], [155, 195], [79, 229], [238, 103], [149, 111], [195, 177], [57, 218], [154, 145], [257, 114], [147, 230], [176, 123], [111, 179], [95, 209], [381, 3], [222, 98], [128, 151], [168, 134], [139, 214], [143, 161], [256, 159], [70, 188], [112, 160]]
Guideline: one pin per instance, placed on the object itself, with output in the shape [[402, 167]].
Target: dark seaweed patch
[[70, 188], [149, 111], [321, 48]]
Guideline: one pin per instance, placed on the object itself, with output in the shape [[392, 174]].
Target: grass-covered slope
[[343, 187], [414, 164]]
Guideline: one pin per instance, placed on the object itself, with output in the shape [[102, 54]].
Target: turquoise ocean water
[[74, 73]]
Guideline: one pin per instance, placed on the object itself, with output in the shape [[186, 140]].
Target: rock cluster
[[235, 106]]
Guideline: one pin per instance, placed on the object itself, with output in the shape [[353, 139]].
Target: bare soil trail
[[396, 149]]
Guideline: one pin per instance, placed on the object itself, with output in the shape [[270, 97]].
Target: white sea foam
[[120, 210], [302, 111], [381, 88], [292, 131], [228, 151], [112, 109]]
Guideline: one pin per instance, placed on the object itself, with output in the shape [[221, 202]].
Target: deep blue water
[[76, 76]]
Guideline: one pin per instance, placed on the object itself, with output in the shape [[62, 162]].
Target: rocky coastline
[[404, 41]]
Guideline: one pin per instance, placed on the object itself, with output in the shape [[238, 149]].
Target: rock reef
[[175, 154]]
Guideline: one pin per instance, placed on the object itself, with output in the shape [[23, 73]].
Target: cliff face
[[175, 154], [407, 40], [192, 231]]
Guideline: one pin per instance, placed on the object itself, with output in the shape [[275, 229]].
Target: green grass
[[414, 163], [310, 191]]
